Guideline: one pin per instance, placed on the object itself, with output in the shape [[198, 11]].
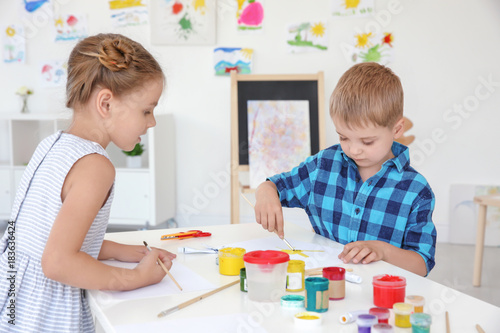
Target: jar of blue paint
[[317, 294]]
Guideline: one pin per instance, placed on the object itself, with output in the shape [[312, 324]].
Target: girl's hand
[[363, 252], [149, 271]]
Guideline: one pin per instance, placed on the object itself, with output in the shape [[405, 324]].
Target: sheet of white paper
[[326, 258], [187, 279], [239, 322]]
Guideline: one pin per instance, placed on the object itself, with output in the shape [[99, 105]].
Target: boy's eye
[[342, 138], [367, 143]]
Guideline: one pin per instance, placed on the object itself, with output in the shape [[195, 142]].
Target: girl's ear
[[103, 100], [399, 128]]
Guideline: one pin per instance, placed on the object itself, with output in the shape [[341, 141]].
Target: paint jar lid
[[231, 252], [382, 328], [334, 273], [402, 308], [266, 257], [381, 313], [307, 319], [389, 281], [319, 283], [420, 319], [366, 320], [415, 300], [292, 301]]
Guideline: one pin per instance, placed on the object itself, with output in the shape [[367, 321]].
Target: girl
[[52, 245]]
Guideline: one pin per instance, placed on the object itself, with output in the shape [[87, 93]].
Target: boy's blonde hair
[[110, 61], [367, 93]]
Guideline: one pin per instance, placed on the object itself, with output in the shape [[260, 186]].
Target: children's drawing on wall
[[371, 47], [278, 137], [307, 37], [14, 46], [250, 15], [463, 214], [70, 27], [53, 73], [29, 9], [190, 22], [128, 12], [232, 59], [352, 8]]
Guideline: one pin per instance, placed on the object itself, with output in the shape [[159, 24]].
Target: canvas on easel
[[276, 122]]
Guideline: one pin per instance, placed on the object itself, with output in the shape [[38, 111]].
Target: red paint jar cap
[[266, 257], [334, 273], [381, 313]]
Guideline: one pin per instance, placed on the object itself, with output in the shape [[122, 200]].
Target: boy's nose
[[152, 122]]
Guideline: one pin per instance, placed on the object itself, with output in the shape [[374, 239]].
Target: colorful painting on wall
[[352, 8], [228, 59], [70, 27], [183, 22], [463, 214], [128, 12], [278, 137], [250, 15], [307, 37], [53, 73], [14, 46], [30, 8], [370, 47]]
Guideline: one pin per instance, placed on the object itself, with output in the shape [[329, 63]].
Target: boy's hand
[[363, 252], [268, 211]]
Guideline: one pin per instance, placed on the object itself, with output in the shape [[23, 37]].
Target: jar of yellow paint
[[295, 275], [402, 312], [417, 302], [231, 260]]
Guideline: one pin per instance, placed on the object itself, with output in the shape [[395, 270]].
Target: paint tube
[[188, 250], [351, 277], [350, 317]]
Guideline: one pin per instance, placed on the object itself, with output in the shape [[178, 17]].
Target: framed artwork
[[265, 110], [183, 22]]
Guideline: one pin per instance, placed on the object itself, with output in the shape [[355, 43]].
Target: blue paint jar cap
[[292, 301], [420, 319]]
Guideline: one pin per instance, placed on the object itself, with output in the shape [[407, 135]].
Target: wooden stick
[[284, 239], [479, 329], [447, 323], [196, 299], [163, 266]]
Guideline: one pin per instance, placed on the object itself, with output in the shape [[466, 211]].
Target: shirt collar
[[400, 160]]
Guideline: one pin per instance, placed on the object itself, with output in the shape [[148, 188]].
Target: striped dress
[[29, 301]]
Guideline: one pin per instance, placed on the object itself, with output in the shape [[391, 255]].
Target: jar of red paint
[[388, 289]]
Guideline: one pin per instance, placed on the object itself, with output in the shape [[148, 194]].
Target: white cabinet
[[144, 196]]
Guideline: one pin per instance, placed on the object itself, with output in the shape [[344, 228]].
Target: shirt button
[[357, 210]]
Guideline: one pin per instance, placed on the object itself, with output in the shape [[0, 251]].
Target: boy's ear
[[104, 99], [399, 128]]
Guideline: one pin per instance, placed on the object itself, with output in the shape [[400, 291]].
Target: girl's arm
[[84, 192], [128, 253]]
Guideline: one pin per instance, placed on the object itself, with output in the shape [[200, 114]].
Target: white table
[[464, 311]]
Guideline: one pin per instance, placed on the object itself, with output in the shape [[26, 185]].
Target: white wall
[[445, 50]]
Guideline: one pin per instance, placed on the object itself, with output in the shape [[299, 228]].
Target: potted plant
[[24, 92], [134, 159]]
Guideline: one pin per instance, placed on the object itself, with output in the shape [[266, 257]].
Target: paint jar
[[365, 322], [388, 289], [417, 302], [317, 294], [420, 323], [291, 304], [295, 275], [336, 276], [266, 274], [382, 314], [382, 328], [231, 260], [307, 319], [402, 312], [243, 280]]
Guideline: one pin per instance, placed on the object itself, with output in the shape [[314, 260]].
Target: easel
[[269, 87]]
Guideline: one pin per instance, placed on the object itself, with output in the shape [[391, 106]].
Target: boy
[[362, 193]]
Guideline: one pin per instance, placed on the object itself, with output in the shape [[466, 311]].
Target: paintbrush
[[447, 323], [479, 329], [196, 299], [163, 266], [283, 239]]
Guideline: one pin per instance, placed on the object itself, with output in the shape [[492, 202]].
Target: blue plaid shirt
[[395, 205]]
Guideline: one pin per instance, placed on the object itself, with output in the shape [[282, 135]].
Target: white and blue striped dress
[[42, 304]]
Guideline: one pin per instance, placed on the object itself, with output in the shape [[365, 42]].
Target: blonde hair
[[368, 93], [109, 61]]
